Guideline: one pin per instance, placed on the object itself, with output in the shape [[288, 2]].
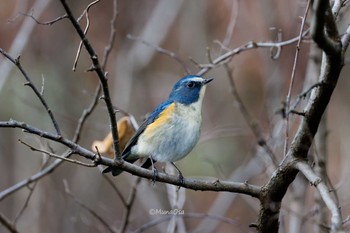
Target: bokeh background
[[140, 77]]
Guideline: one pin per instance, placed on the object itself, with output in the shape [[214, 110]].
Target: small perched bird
[[172, 130]]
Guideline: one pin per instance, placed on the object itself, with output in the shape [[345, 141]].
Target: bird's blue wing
[[150, 119], [127, 151]]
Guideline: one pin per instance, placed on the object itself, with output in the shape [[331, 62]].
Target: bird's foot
[[155, 175]]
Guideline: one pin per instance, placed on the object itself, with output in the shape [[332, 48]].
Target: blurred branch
[[195, 184], [254, 127], [323, 21], [86, 13], [82, 120], [128, 205], [90, 210], [162, 51], [31, 190], [275, 189], [29, 83], [7, 223], [166, 218], [225, 58], [47, 23], [115, 188], [292, 78], [60, 157], [102, 77], [113, 31], [324, 192], [21, 39]]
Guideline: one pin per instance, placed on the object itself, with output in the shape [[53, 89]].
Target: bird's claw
[[155, 175]]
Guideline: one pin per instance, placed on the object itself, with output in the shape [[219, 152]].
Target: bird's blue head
[[189, 89]]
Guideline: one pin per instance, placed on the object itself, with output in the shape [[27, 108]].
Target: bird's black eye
[[190, 84]]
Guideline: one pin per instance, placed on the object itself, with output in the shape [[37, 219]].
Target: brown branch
[[275, 189], [90, 210], [166, 218], [248, 119], [7, 223], [292, 78], [162, 51], [225, 58], [102, 77], [316, 181], [129, 203], [86, 13], [194, 184], [29, 83], [59, 156], [324, 31], [47, 23]]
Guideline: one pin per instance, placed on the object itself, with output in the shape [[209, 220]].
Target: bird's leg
[[154, 169], [181, 178]]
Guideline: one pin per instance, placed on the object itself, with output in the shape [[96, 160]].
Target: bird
[[172, 130]]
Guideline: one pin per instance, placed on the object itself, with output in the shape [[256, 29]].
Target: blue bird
[[172, 130]]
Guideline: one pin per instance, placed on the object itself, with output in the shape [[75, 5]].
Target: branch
[[275, 189], [323, 17], [128, 205], [61, 157], [86, 13], [162, 51], [102, 77], [194, 184], [291, 84], [248, 46], [324, 192], [7, 223], [29, 83], [90, 210]]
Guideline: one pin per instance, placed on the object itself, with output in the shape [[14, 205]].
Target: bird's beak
[[206, 81]]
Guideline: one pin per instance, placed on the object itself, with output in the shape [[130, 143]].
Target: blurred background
[[140, 77]]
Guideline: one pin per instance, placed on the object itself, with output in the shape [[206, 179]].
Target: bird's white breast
[[176, 137]]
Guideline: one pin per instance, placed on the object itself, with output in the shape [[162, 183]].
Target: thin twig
[[195, 184], [47, 23], [58, 156], [90, 210], [115, 188], [86, 12], [102, 77], [129, 204], [305, 168], [8, 224], [113, 31], [29, 83], [185, 215], [291, 84], [162, 51], [247, 117], [225, 58]]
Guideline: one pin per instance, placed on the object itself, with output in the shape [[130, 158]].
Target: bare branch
[[58, 156], [129, 204], [90, 210], [29, 83], [319, 21], [86, 13], [225, 58], [47, 23], [291, 84], [7, 223], [247, 117], [162, 51], [324, 192], [103, 79]]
